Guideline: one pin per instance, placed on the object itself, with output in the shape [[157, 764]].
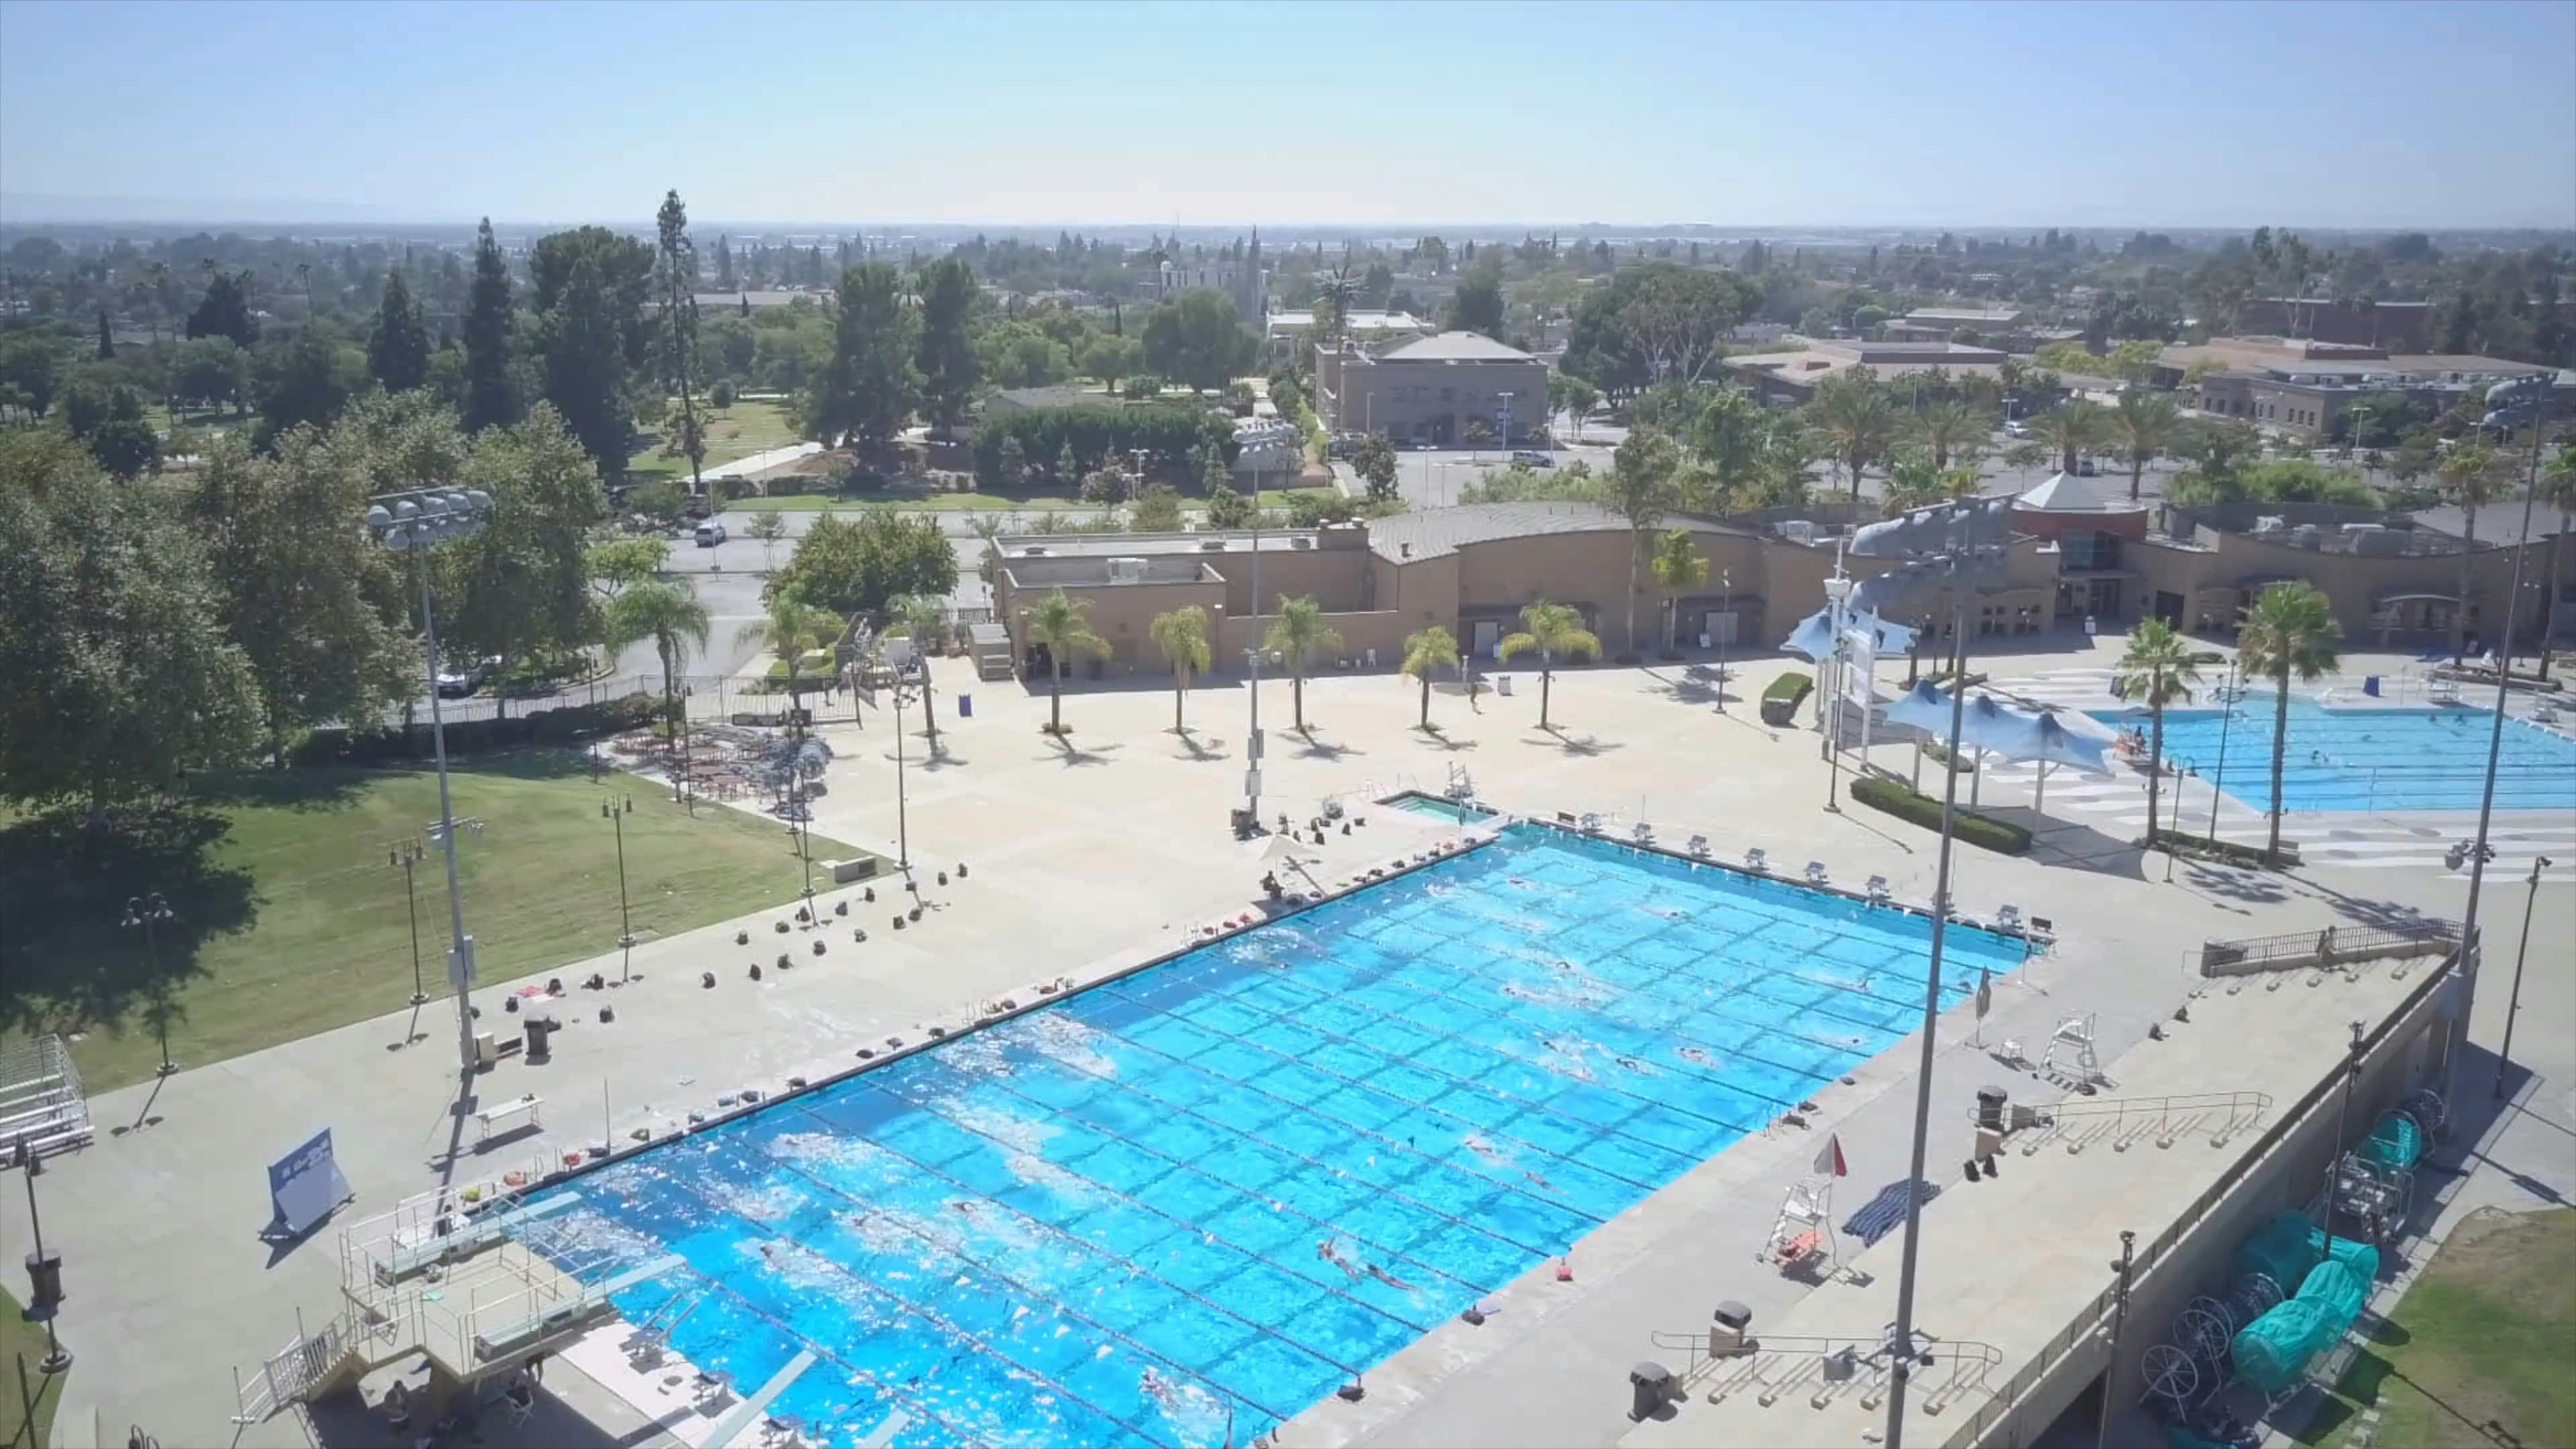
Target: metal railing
[[2089, 1320], [2079, 1122], [1776, 1366], [2328, 945]]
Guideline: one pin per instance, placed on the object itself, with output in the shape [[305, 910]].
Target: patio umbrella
[[1277, 849]]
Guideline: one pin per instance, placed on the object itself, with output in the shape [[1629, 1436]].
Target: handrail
[[2091, 1316], [2127, 1120], [1751, 1361]]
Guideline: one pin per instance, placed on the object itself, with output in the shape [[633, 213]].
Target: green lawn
[[1280, 497], [737, 432], [2466, 1359], [291, 920], [20, 1339]]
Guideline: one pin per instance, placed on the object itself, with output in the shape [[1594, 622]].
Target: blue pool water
[[1439, 807], [1107, 1222], [2370, 759]]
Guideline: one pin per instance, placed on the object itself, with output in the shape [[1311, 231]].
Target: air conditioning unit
[[1126, 571], [1799, 530]]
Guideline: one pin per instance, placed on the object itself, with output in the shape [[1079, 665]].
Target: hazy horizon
[[2190, 117]]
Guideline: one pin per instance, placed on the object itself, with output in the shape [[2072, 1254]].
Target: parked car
[[458, 683], [2016, 429], [1533, 457], [710, 533]]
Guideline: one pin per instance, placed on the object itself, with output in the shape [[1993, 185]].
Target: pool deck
[[1109, 850]]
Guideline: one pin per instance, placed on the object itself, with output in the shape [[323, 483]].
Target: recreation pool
[[1179, 1207], [1439, 807], [2369, 759]]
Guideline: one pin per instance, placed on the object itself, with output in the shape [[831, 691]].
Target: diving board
[[749, 1411], [494, 1343], [477, 1234], [883, 1434]]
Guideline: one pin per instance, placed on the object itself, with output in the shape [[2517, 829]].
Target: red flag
[[1829, 1161]]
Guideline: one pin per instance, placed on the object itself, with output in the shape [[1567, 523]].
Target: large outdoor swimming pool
[[1196, 1200], [2370, 759]]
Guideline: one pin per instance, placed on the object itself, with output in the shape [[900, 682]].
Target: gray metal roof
[[1437, 531], [1456, 347]]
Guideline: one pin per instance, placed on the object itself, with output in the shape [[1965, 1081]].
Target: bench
[[525, 1106]]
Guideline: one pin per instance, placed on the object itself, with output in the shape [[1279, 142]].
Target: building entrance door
[[1487, 635], [1718, 627]]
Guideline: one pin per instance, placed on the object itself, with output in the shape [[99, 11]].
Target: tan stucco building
[[1469, 570], [1428, 391]]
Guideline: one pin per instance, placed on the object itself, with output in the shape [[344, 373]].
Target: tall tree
[[677, 263], [1062, 626], [1945, 429], [2142, 426], [624, 267], [1857, 421], [1678, 567], [1477, 306], [2290, 630], [2072, 429], [1639, 488], [2472, 477], [315, 606], [868, 390], [491, 400], [1425, 654], [308, 382], [946, 355], [1336, 292], [585, 369], [1554, 632], [120, 676], [859, 566], [225, 309], [2158, 669], [667, 612], [1182, 635], [792, 628], [1196, 339], [106, 341], [1297, 635], [520, 587], [398, 347]]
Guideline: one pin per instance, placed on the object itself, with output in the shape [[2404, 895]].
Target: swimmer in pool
[[1159, 1388], [1483, 1148], [1541, 1181], [1693, 1054], [1326, 1250], [1387, 1278]]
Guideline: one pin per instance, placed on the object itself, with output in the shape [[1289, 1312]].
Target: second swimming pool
[[2370, 759], [1180, 1207]]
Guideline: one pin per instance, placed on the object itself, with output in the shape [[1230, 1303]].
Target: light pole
[[143, 913], [2513, 1003], [615, 814], [1726, 591], [2537, 387], [2229, 693], [902, 694], [407, 853], [44, 1270], [1252, 737], [2119, 1321], [415, 522]]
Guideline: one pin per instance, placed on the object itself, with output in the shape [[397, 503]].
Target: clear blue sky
[[2304, 114]]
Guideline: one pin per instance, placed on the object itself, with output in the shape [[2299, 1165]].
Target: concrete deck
[[1112, 846]]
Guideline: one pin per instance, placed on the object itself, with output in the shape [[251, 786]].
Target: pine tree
[[724, 263], [490, 400], [680, 329], [585, 369], [946, 356], [106, 344], [398, 348]]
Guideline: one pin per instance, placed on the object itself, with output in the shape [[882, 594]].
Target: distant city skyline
[[1751, 116]]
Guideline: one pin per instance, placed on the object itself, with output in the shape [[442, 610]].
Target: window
[[1448, 394]]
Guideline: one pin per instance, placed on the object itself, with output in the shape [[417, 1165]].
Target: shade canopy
[[1997, 728], [1814, 636], [1277, 849]]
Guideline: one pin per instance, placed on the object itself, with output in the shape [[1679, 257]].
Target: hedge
[[1791, 687], [1099, 433], [1893, 797], [465, 737]]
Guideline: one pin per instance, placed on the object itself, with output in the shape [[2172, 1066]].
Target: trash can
[[1730, 1328], [1990, 1108], [537, 1028], [1650, 1388]]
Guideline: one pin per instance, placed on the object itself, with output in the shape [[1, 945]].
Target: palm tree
[[2290, 630], [1425, 654], [1299, 631], [2077, 427], [1678, 565], [1951, 428], [2558, 490], [1556, 631], [2143, 425], [1335, 291], [791, 628], [1857, 422], [1063, 625], [923, 618], [2159, 668], [1639, 489], [2471, 480], [1182, 635], [669, 614], [1913, 481]]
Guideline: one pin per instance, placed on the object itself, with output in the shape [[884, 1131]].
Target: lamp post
[[1829, 695], [901, 694], [1252, 734], [1726, 592], [415, 522], [2513, 1003], [143, 913], [2228, 694], [407, 854], [44, 1270], [615, 814], [2510, 394]]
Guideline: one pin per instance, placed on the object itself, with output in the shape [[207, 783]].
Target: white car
[[710, 533]]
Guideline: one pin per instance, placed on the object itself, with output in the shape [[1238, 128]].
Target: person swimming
[[1331, 1252], [1158, 1388], [1387, 1278], [1695, 1054], [1541, 1181], [1483, 1148]]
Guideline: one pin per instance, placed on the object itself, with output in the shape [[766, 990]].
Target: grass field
[[292, 921], [738, 432], [21, 1339], [2465, 1361]]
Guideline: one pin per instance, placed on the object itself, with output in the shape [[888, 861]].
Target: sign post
[[304, 1187]]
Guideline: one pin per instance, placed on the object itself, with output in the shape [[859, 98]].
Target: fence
[[2326, 947], [41, 1103]]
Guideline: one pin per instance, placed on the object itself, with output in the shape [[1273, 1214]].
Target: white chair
[[1699, 845], [2008, 918], [1642, 833]]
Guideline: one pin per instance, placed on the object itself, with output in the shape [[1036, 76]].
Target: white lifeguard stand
[[2071, 1052], [1802, 1237]]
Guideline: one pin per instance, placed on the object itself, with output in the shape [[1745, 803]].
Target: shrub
[[1791, 687], [1896, 799], [1088, 434], [465, 737]]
